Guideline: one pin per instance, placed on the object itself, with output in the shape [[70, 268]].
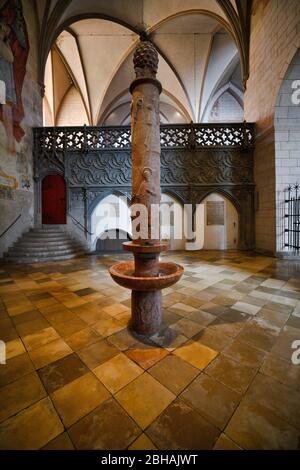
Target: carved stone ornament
[[145, 60], [98, 159]]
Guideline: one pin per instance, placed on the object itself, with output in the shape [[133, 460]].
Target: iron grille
[[292, 218]]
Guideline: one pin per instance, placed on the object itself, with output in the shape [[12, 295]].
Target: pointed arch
[[103, 194], [229, 87], [225, 194]]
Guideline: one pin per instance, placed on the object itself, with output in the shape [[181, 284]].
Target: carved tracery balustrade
[[196, 159]]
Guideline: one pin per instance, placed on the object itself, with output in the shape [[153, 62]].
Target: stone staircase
[[47, 243]]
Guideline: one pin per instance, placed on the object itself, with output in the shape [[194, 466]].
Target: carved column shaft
[[146, 308], [145, 152], [146, 276], [145, 133], [146, 138]]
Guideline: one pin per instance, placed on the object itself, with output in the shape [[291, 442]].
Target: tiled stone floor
[[219, 376]]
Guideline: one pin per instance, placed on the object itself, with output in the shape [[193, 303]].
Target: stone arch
[[73, 19], [220, 222], [103, 194], [225, 194], [116, 218], [230, 88], [42, 174], [291, 53], [51, 36], [172, 193], [242, 207], [287, 143], [101, 114]]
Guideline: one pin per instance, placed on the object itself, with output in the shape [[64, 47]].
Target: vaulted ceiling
[[86, 56]]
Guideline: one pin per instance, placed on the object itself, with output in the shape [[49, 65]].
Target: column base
[[146, 312]]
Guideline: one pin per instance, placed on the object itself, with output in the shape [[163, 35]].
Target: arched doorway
[[53, 200], [221, 224], [110, 224]]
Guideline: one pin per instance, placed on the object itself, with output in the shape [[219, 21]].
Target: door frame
[[41, 196]]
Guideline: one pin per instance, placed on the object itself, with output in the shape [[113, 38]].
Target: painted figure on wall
[[14, 49]]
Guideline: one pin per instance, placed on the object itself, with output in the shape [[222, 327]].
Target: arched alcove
[[226, 108], [220, 223], [172, 220], [110, 220], [287, 144]]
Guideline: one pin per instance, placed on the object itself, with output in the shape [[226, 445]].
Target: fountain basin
[[169, 274], [145, 249]]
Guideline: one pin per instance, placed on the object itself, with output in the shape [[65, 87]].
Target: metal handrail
[[13, 223], [80, 225]]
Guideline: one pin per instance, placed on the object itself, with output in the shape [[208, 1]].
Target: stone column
[[145, 151], [146, 276], [145, 132]]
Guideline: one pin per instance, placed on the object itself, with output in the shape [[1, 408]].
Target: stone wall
[[287, 142], [16, 179], [275, 38], [226, 109]]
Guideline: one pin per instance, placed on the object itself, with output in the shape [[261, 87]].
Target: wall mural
[[7, 185], [14, 50]]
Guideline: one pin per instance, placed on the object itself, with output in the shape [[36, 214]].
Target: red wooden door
[[53, 200]]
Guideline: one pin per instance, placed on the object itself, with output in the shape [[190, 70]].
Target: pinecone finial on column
[[145, 60]]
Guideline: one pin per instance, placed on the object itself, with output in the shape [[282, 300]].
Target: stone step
[[49, 228], [57, 227], [41, 249], [41, 244], [31, 260], [48, 232], [44, 244], [41, 254], [47, 235], [43, 241]]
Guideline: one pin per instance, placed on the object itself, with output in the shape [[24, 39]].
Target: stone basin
[[145, 249], [169, 274]]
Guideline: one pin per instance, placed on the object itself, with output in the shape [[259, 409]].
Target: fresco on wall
[[7, 185], [14, 49], [22, 165]]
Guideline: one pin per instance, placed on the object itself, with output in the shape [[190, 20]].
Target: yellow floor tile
[[142, 443], [144, 399], [117, 372], [32, 428], [108, 326], [115, 309], [14, 348], [78, 398], [20, 394], [49, 353], [196, 354], [40, 338]]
